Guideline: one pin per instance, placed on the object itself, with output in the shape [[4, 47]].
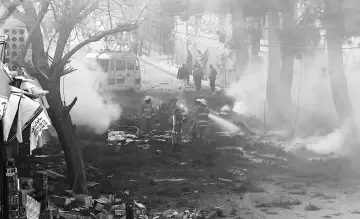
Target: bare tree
[[69, 16]]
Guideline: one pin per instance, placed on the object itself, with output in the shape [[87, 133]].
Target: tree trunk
[[287, 64], [338, 79], [274, 65], [240, 39], [63, 125], [256, 45]]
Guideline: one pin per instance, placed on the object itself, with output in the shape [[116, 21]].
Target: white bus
[[123, 69]]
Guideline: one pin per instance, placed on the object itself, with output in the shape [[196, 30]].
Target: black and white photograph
[[179, 109]]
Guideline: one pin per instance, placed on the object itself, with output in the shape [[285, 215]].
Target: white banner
[[39, 124], [3, 101]]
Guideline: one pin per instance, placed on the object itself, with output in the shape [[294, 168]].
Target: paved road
[[154, 79]]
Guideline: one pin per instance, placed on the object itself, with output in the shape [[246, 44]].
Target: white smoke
[[316, 106], [94, 108]]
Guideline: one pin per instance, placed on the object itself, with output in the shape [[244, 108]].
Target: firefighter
[[147, 115], [165, 111], [201, 117], [176, 121]]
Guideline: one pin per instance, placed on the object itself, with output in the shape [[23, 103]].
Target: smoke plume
[[95, 108], [313, 102]]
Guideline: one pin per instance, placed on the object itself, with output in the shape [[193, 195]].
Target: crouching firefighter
[[176, 121], [147, 115], [202, 120]]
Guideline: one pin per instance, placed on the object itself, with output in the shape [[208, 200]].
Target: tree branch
[[71, 105], [24, 18], [42, 73], [68, 71], [96, 38], [10, 8], [50, 42], [90, 9], [41, 14]]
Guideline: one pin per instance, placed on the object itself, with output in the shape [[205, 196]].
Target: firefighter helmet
[[203, 101]]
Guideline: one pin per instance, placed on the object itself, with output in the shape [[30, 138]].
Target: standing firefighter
[[165, 111], [202, 119], [176, 121], [147, 115]]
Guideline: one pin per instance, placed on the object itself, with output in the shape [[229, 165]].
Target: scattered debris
[[54, 175], [170, 180], [144, 146], [312, 207], [225, 180]]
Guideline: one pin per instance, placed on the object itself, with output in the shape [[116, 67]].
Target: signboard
[[39, 124]]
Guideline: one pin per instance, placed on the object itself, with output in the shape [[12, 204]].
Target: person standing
[[146, 116], [189, 64], [202, 120], [166, 110], [197, 77], [182, 76], [177, 123], [212, 78]]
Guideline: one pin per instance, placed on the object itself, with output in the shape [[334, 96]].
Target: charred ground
[[200, 176]]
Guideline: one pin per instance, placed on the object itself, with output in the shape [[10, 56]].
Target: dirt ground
[[242, 177]]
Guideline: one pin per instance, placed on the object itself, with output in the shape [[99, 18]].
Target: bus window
[[120, 65], [136, 64], [111, 65], [130, 64]]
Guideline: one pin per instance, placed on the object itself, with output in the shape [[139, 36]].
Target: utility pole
[[186, 27]]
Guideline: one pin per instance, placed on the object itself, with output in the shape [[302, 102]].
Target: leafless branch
[[71, 105], [50, 42], [10, 9], [68, 71], [41, 14], [120, 28], [109, 16], [88, 10], [26, 19], [56, 16], [42, 73]]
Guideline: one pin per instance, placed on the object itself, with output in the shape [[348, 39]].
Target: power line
[[273, 46]]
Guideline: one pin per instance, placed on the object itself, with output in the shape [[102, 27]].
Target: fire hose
[[135, 127]]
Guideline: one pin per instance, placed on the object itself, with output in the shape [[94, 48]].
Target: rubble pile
[[34, 202], [189, 214]]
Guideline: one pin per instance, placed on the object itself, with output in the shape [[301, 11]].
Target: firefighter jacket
[[202, 116], [177, 122], [147, 110]]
